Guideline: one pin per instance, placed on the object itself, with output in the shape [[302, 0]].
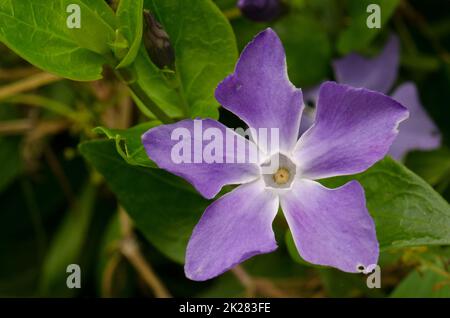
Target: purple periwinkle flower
[[379, 74], [353, 129], [260, 10]]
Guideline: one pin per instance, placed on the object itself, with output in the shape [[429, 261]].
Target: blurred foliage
[[72, 163]]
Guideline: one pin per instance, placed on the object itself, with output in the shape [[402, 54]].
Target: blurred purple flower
[[379, 74], [260, 10], [354, 128]]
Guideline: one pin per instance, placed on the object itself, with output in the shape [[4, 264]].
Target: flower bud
[[260, 10], [113, 4], [157, 43]]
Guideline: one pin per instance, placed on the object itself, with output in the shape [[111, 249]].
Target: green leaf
[[130, 22], [163, 207], [406, 209], [308, 49], [28, 26], [357, 35], [97, 24], [129, 144], [67, 245], [205, 53], [433, 166], [431, 277], [427, 284]]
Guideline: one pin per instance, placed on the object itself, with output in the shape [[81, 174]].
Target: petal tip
[[146, 140], [194, 275], [146, 136], [223, 89], [267, 35], [393, 44], [348, 88], [269, 31]]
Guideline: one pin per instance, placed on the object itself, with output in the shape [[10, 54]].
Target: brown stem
[[33, 129], [246, 281], [15, 73], [16, 127], [130, 249], [108, 275], [254, 286], [27, 84], [58, 171]]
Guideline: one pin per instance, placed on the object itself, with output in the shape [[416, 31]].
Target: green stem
[[137, 90], [142, 96], [232, 13]]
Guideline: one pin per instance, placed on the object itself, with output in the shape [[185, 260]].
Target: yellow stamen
[[281, 176]]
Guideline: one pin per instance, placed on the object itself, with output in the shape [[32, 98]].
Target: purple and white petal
[[200, 151], [259, 90], [354, 128], [234, 228], [418, 132], [331, 227], [378, 73]]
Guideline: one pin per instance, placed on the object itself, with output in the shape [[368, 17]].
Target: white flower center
[[278, 172]]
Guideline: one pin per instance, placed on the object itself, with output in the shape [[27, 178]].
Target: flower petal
[[418, 132], [331, 227], [207, 177], [378, 73], [354, 128], [259, 90], [234, 228]]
